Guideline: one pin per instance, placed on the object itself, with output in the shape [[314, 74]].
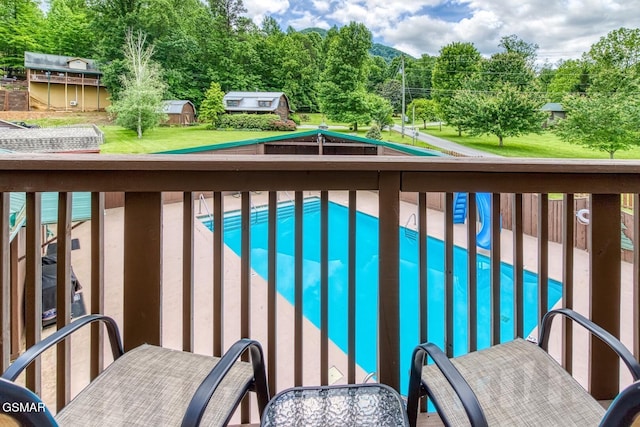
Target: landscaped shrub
[[254, 122], [374, 132], [282, 125], [304, 118], [295, 118]]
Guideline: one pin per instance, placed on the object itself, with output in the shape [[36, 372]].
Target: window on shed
[[264, 103], [233, 103]]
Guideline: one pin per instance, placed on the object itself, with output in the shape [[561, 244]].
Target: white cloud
[[562, 29]]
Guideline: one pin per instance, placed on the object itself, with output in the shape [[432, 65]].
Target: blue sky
[[563, 29]]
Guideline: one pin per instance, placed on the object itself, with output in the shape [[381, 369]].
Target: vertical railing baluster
[[187, 271], [142, 269], [568, 218], [272, 291], [5, 284], [218, 273], [298, 289], [63, 302], [636, 275], [543, 255], [605, 258], [518, 265], [33, 287], [472, 274], [423, 266], [389, 280], [324, 287], [448, 275], [245, 284], [351, 321], [495, 268], [97, 281]]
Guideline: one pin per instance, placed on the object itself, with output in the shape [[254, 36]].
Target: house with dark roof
[[64, 82], [258, 103], [179, 112]]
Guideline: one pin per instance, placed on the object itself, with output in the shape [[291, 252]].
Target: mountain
[[386, 52]]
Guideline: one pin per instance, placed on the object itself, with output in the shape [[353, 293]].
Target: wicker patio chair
[[147, 386], [353, 405], [517, 383]]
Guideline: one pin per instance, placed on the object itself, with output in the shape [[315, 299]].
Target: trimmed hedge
[[254, 122]]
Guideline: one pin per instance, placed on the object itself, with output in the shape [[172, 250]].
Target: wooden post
[[142, 269], [604, 260], [389, 280]]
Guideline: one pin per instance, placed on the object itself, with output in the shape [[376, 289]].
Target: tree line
[[198, 43]]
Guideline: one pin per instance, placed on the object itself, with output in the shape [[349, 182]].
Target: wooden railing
[[87, 81], [592, 283]]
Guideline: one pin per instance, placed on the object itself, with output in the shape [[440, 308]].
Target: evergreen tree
[[212, 105]]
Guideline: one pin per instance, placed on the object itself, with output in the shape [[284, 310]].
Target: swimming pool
[[367, 281]]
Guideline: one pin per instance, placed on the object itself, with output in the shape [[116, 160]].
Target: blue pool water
[[367, 281]]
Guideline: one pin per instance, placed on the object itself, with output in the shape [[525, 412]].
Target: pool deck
[[203, 244]]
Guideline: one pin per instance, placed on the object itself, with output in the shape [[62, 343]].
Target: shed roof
[[45, 61], [174, 106], [329, 135], [250, 101], [552, 106]]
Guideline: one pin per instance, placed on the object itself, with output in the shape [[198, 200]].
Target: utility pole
[[403, 98]]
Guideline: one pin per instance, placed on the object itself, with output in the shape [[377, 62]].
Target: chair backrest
[[23, 406], [624, 409]]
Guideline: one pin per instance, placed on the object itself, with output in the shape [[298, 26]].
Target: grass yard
[[121, 140], [545, 145]]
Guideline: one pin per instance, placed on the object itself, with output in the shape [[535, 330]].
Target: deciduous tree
[[601, 122], [139, 107], [343, 93], [424, 109], [505, 112]]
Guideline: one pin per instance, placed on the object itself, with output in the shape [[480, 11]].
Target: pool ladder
[[411, 233], [202, 201]]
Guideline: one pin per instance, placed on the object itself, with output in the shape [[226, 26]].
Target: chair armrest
[[453, 376], [624, 408], [24, 406], [205, 391], [36, 350], [597, 331]]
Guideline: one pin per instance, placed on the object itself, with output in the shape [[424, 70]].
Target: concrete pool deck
[[203, 244]]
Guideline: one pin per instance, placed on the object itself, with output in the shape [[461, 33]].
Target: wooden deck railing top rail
[[240, 172]]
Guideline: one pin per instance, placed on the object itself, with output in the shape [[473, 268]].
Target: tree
[[506, 67], [457, 63], [391, 90], [507, 112], [140, 104], [343, 93], [68, 29], [21, 23], [514, 44], [424, 109], [615, 62], [212, 105], [601, 122], [381, 111], [571, 77]]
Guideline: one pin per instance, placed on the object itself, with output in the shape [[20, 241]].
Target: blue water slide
[[483, 238]]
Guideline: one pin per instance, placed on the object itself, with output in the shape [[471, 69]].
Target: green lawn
[[121, 140], [546, 145]]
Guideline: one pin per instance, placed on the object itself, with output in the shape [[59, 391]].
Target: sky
[[562, 29]]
